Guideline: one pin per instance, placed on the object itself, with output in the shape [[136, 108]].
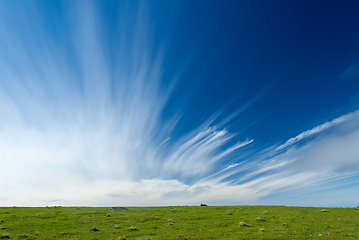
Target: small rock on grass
[[243, 224]]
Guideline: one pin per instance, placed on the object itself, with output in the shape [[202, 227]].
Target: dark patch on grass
[[95, 229], [5, 235], [24, 235], [229, 212]]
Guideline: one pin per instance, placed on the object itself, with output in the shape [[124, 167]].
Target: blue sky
[[143, 103]]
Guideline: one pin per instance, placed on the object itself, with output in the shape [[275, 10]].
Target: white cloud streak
[[317, 129]]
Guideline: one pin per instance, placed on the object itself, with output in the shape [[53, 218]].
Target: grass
[[225, 222]]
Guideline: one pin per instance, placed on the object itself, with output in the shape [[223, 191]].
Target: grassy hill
[[224, 222]]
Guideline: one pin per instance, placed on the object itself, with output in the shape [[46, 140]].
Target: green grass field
[[224, 222]]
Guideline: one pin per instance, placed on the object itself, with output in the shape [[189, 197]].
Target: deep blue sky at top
[[295, 52], [299, 49]]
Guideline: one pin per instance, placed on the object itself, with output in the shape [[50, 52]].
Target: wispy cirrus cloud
[[318, 166], [81, 130], [318, 129]]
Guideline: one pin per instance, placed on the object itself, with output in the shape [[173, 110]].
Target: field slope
[[224, 222]]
